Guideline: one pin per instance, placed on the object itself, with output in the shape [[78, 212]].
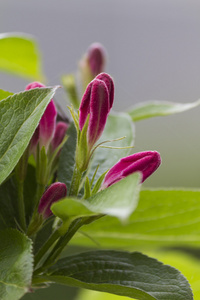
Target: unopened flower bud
[[96, 102], [55, 192], [47, 123], [96, 58], [61, 128], [145, 162]]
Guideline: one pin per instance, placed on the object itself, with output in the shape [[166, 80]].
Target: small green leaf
[[127, 274], [16, 264], [162, 218], [118, 125], [19, 117], [159, 108], [119, 199], [19, 55], [70, 208], [4, 94]]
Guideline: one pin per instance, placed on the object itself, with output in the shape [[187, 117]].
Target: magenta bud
[[107, 79], [55, 192], [34, 85], [34, 141], [96, 58], [59, 134], [145, 162], [95, 103], [47, 123]]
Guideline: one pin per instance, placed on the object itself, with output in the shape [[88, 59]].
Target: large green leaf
[[4, 94], [19, 117], [158, 108], [162, 218], [16, 264], [119, 200], [19, 55], [188, 265], [128, 274]]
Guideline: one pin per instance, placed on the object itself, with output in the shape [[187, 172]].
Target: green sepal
[[98, 184], [82, 155], [87, 189]]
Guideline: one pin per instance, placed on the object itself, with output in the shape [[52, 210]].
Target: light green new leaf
[[19, 55], [19, 117], [4, 94], [16, 264], [127, 274], [118, 125], [162, 218], [119, 200], [159, 108]]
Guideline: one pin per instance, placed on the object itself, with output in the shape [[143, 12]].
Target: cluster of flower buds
[[145, 162], [92, 63], [48, 133], [95, 106]]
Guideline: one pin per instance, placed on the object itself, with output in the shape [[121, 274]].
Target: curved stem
[[46, 247]]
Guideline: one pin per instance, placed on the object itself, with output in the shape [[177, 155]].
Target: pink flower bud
[[96, 58], [55, 192], [59, 135], [110, 85], [96, 103], [47, 123], [145, 162]]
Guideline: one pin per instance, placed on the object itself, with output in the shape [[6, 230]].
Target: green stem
[[46, 247], [76, 178], [60, 245], [21, 208]]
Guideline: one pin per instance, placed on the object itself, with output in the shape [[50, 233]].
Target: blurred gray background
[[153, 53]]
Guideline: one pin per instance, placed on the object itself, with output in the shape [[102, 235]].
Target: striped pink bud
[[96, 58], [145, 162], [47, 123], [54, 193], [96, 102]]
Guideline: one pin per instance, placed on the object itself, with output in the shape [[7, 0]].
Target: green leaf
[[70, 208], [127, 274], [119, 200], [67, 158], [91, 295], [8, 204], [159, 108], [4, 94], [162, 218], [16, 264], [19, 117], [188, 265], [19, 55], [118, 125]]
